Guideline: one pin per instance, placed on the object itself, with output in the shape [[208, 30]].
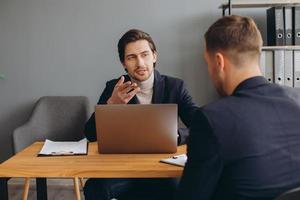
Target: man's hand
[[123, 92]]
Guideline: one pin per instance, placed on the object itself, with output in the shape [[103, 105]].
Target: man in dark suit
[[142, 85], [245, 146]]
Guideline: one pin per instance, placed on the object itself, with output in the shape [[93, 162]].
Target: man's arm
[[204, 165], [186, 110], [183, 134], [90, 127]]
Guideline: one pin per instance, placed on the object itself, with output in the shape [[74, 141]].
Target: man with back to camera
[[142, 85], [245, 146]]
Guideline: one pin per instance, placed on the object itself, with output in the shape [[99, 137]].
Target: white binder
[[297, 68], [288, 68], [263, 63], [288, 25], [269, 66], [296, 25], [279, 67]]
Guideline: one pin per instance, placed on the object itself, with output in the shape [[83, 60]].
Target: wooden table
[[94, 165]]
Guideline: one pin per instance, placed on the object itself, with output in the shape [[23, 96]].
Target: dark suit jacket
[[166, 90], [245, 146]]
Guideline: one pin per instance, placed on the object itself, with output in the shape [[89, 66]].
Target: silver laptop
[[136, 128]]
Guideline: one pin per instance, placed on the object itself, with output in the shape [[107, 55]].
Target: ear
[[220, 61]]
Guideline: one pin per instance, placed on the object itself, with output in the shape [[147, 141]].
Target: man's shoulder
[[222, 101], [223, 106], [170, 79], [249, 99]]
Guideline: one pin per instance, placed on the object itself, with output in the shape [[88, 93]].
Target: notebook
[[136, 128]]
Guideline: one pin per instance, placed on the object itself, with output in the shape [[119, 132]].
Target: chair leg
[[26, 189], [76, 188], [82, 182]]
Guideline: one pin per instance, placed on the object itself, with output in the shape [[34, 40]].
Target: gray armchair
[[59, 118]]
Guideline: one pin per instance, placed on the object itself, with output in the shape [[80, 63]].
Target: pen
[[62, 153]]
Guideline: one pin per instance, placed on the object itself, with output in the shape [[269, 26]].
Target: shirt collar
[[251, 83]]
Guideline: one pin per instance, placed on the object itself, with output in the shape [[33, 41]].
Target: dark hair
[[134, 35], [236, 34]]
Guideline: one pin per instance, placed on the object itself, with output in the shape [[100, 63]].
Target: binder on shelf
[[275, 26], [263, 63], [288, 25], [269, 66], [288, 68], [297, 68], [296, 15], [279, 67]]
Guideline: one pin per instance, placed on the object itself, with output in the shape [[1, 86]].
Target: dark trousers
[[130, 189]]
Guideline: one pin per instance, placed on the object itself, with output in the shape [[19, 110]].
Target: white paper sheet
[[64, 148], [178, 160]]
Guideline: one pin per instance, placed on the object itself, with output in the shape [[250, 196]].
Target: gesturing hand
[[123, 92]]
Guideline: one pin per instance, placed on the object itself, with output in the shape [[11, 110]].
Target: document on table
[[53, 148], [178, 160]]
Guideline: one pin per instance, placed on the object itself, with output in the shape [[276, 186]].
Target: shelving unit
[[261, 4], [294, 47], [257, 4], [274, 59]]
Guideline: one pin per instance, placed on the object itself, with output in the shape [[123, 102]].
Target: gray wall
[[68, 47]]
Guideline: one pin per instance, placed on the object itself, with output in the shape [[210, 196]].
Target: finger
[[124, 86], [132, 93], [120, 82], [131, 87]]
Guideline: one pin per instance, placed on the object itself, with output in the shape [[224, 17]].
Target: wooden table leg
[[26, 189], [41, 188], [76, 188], [3, 188]]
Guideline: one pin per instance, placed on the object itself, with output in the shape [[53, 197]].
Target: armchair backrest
[[59, 118]]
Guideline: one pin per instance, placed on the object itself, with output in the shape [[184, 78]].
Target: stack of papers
[[52, 148], [178, 160]]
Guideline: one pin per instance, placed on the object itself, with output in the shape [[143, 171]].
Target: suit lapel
[[158, 89], [134, 100]]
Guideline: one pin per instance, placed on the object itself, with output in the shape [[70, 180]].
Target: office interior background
[[69, 47]]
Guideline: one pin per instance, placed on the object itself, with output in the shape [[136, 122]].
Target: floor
[[57, 189]]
